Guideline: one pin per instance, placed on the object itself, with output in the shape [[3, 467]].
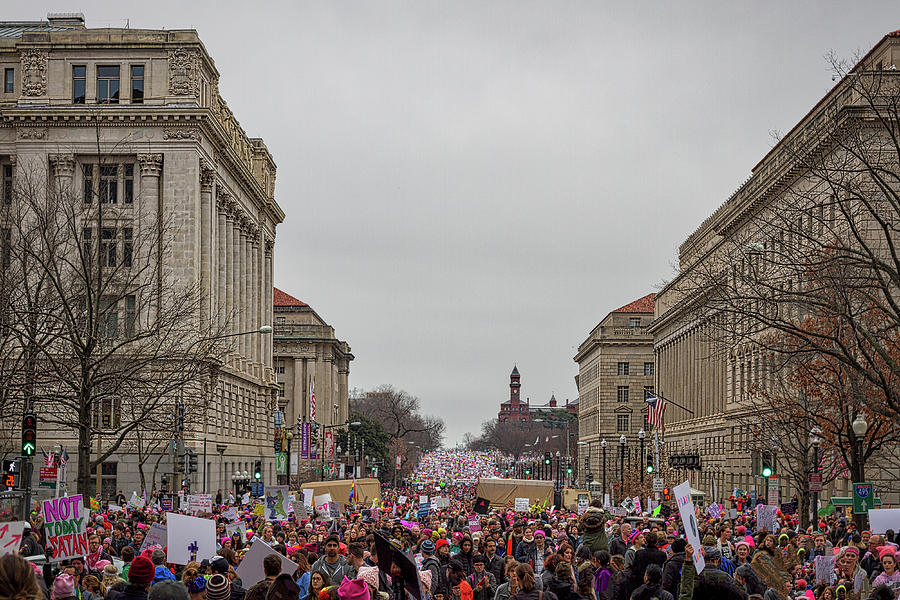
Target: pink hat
[[369, 575], [63, 587], [100, 564], [353, 589]]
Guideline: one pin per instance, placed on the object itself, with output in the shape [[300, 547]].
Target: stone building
[[308, 356], [517, 410], [697, 365], [615, 373], [149, 100]]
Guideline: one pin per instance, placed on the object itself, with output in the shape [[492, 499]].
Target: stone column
[[229, 268], [241, 289], [63, 169], [268, 310], [222, 262], [255, 289], [207, 302], [150, 226]]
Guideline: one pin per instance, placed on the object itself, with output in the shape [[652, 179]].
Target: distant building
[[516, 410], [615, 373]]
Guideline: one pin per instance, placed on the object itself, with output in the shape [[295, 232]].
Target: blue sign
[[257, 488], [424, 509]]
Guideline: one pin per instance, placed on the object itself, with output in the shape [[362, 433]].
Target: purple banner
[[304, 441]]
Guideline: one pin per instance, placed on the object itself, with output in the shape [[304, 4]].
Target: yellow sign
[[259, 510]]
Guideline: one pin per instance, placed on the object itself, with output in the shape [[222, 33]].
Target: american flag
[[63, 458], [48, 458], [657, 409], [312, 399]]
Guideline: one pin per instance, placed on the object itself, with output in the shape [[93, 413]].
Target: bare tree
[[398, 412]]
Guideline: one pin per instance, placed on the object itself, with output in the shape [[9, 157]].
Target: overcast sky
[[472, 185]]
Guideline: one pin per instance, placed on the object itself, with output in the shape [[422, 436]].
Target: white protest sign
[[276, 502], [136, 501], [189, 538], [11, 537], [300, 511], [689, 518], [401, 499], [245, 499], [115, 508], [156, 535], [522, 505], [230, 515], [767, 517], [732, 513], [882, 519], [251, 568], [321, 502], [65, 525], [308, 498], [240, 528], [200, 503], [637, 504]]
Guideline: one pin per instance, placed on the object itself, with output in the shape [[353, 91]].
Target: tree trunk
[[803, 506], [84, 447]]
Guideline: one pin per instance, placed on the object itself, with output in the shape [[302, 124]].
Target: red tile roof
[[284, 299], [641, 305]]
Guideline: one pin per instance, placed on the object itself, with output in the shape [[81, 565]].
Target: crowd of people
[[446, 466], [390, 550]]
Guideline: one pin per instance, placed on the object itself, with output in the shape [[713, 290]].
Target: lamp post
[[289, 436], [815, 438], [603, 492], [622, 464], [860, 427], [641, 435]]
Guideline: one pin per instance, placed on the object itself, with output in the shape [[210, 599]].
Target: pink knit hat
[[63, 587], [369, 575]]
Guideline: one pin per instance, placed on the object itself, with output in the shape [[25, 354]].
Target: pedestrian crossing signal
[[667, 495]]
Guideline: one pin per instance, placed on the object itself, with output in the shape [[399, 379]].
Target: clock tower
[[514, 386]]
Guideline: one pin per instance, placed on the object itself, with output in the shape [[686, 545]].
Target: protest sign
[[767, 517], [166, 503], [155, 536], [824, 568], [401, 500], [65, 525], [582, 503], [423, 511], [11, 537], [442, 502], [522, 505], [423, 499], [732, 513], [321, 501], [882, 519], [189, 538], [300, 511], [334, 510], [245, 499], [276, 501], [240, 528], [474, 523], [114, 508], [789, 508], [136, 501], [230, 515], [308, 498], [714, 510], [689, 518], [637, 504], [259, 510], [200, 503], [251, 568], [618, 511]]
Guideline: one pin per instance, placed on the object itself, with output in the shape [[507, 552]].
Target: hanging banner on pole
[[304, 440]]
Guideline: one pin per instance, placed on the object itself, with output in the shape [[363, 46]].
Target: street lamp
[[860, 427], [815, 438], [603, 493], [641, 435], [622, 464]]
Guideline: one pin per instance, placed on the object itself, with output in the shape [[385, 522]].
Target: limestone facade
[[308, 355], [615, 371], [189, 163]]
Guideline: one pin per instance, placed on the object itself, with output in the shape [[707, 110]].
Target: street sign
[[815, 482], [47, 477], [281, 463], [774, 497], [863, 498], [658, 484]]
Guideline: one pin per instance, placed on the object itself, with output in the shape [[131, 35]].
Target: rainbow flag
[[352, 491], [95, 505]]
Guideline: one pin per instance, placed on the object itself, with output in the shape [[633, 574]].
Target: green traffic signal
[[767, 471], [528, 471], [649, 468], [569, 470]]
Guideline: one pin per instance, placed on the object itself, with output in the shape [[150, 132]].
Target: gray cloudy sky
[[470, 185]]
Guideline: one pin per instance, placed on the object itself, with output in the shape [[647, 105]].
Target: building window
[[9, 81], [127, 246], [622, 423], [130, 315], [7, 184], [129, 183], [109, 188], [622, 368], [622, 393], [281, 389], [108, 322], [648, 368], [137, 84], [108, 84], [87, 242], [634, 322], [109, 247], [648, 391], [79, 83], [279, 366], [87, 172]]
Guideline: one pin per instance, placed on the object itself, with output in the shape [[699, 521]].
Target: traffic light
[[667, 495], [649, 464], [190, 463], [569, 470], [29, 434], [527, 471], [587, 463], [257, 470], [546, 458], [767, 465]]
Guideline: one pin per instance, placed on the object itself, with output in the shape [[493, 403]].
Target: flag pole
[[684, 408]]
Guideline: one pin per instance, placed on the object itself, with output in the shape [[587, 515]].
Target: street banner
[[882, 519], [304, 440], [65, 525], [11, 537], [251, 568], [329, 445], [767, 517], [281, 463], [190, 538], [276, 500], [157, 535], [689, 518]]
